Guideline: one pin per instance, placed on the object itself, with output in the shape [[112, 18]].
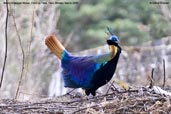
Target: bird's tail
[[54, 45]]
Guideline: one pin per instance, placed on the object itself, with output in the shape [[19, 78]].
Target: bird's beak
[[118, 41]]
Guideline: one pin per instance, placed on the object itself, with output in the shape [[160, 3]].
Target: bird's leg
[[87, 91], [93, 92], [108, 88], [114, 87]]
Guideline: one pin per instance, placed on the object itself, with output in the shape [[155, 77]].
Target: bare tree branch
[[31, 33], [23, 56], [6, 44]]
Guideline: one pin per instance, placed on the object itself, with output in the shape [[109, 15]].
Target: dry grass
[[139, 100]]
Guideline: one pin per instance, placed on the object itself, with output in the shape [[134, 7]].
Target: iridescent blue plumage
[[78, 71], [88, 72]]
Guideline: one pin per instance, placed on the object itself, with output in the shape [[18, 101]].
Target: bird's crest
[[109, 31], [112, 36]]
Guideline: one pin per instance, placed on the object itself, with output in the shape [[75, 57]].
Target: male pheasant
[[87, 72]]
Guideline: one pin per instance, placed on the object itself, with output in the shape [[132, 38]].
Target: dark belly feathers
[[103, 75]]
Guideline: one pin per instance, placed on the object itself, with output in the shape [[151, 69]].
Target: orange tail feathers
[[54, 45]]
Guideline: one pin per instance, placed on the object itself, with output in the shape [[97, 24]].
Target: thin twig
[[6, 44], [31, 39], [68, 93], [112, 86], [69, 38], [31, 33], [115, 89], [164, 74], [109, 87], [23, 56]]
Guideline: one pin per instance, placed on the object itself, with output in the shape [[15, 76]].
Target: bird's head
[[113, 39]]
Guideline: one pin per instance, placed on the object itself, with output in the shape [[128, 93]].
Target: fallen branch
[[160, 91]]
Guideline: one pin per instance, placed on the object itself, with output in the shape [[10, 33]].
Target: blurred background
[[143, 27]]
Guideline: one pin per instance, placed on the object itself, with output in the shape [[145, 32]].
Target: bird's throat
[[113, 50]]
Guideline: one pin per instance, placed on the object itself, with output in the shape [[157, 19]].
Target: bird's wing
[[78, 72]]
